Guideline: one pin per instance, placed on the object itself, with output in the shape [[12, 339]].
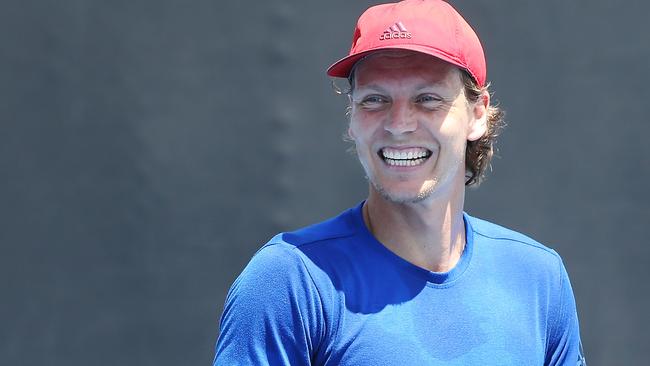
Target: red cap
[[432, 27]]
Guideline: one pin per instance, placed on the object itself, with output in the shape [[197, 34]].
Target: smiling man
[[406, 277]]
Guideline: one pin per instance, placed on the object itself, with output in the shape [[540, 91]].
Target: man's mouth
[[404, 157]]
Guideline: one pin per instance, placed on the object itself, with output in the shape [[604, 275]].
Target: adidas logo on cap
[[397, 30]]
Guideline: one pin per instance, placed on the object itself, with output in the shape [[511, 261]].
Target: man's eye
[[428, 99], [373, 101]]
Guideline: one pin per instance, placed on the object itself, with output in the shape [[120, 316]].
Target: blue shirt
[[331, 294]]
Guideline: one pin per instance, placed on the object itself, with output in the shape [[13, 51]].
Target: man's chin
[[405, 197]]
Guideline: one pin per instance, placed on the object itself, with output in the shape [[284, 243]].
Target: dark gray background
[[148, 148]]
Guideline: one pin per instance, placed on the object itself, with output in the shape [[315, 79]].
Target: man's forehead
[[402, 64]]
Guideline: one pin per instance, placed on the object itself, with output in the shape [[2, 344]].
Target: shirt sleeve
[[273, 313], [564, 347]]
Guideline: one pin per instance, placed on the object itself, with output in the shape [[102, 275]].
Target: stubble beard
[[424, 193]]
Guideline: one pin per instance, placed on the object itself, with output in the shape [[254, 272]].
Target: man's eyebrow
[[379, 88], [442, 89], [375, 87], [434, 84]]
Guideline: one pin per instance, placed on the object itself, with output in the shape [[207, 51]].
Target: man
[[406, 277]]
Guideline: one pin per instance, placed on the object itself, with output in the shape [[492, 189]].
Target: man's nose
[[401, 119]]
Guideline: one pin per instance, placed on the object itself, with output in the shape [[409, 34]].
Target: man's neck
[[429, 234]]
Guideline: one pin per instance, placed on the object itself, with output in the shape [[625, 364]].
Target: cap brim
[[342, 67]]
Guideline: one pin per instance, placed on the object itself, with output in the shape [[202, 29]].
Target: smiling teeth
[[412, 162], [405, 157], [415, 153]]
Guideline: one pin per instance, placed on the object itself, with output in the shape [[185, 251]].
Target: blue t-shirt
[[331, 294]]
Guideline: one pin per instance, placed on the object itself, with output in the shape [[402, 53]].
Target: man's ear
[[478, 124], [350, 134]]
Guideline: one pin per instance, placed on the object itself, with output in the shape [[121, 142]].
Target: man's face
[[410, 122]]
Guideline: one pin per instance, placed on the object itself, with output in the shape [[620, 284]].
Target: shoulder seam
[[314, 241], [320, 300], [296, 251], [534, 245], [551, 331]]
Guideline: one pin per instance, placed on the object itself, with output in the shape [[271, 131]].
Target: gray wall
[[147, 148]]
